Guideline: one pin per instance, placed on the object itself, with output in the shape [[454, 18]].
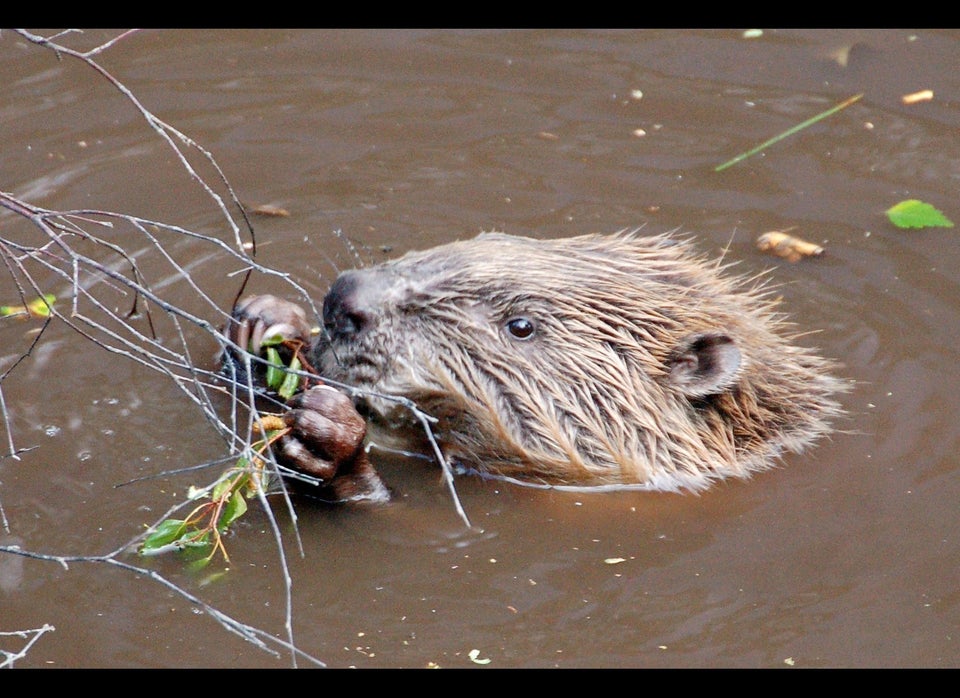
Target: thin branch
[[163, 129], [31, 636], [259, 638], [102, 275]]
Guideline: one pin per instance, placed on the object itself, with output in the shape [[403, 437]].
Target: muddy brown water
[[846, 556]]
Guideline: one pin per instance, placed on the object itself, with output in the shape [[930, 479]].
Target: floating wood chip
[[268, 210], [914, 97], [791, 248]]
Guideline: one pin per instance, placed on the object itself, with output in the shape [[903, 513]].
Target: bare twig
[[80, 249], [164, 130], [260, 638], [31, 636]]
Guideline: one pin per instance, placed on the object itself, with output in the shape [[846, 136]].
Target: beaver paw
[[326, 440], [256, 318]]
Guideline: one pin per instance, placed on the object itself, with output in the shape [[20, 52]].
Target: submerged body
[[591, 360]]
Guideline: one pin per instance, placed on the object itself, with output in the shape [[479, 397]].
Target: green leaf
[[275, 372], [236, 507], [291, 381], [226, 483], [167, 532], [198, 540], [913, 213], [39, 307], [198, 564], [272, 341]]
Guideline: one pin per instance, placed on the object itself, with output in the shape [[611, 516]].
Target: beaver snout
[[347, 308]]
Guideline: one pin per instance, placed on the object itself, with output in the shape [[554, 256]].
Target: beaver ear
[[704, 363]]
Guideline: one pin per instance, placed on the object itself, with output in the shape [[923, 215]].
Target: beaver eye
[[521, 327]]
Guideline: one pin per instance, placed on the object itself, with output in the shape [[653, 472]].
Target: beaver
[[617, 359]]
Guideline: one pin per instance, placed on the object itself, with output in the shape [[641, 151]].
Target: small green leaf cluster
[[283, 379], [225, 502]]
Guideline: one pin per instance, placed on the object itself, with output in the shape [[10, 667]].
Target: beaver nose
[[347, 312]]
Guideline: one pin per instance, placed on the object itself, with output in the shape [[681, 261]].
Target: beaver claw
[[256, 318], [326, 441]]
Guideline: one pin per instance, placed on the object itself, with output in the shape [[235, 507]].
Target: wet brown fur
[[648, 363]]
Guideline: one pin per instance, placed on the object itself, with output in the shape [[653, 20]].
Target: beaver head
[[587, 360]]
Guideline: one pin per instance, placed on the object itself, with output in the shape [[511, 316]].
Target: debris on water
[[790, 247], [270, 210], [913, 213], [475, 657], [914, 97]]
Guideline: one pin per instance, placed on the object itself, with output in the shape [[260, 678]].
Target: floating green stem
[[789, 132]]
